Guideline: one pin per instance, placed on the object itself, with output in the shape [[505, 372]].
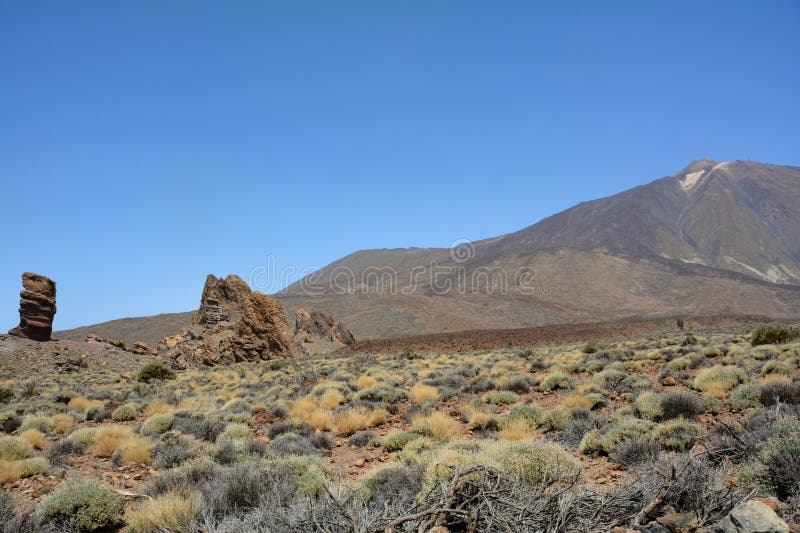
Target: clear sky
[[145, 144]]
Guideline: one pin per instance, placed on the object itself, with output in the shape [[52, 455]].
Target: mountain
[[715, 238]]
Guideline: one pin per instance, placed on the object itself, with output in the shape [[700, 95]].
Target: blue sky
[[146, 144]]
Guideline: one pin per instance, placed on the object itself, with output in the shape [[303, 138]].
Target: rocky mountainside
[[715, 238]]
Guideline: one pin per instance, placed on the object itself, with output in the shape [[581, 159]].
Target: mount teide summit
[[715, 238]]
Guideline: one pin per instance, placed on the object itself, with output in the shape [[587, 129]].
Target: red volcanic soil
[[469, 340]]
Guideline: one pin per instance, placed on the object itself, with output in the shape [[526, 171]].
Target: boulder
[[678, 522], [232, 324], [37, 307], [310, 327], [751, 516]]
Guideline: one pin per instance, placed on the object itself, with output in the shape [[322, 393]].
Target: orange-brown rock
[[316, 325], [232, 324], [37, 307]]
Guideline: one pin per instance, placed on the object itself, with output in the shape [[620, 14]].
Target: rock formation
[[232, 324], [310, 328], [37, 307]]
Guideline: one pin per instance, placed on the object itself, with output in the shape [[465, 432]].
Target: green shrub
[[157, 424], [591, 347], [14, 449], [530, 413], [627, 428], [773, 334], [36, 466], [397, 441], [126, 412], [648, 404], [236, 432], [678, 364], [719, 378], [83, 435], [6, 394], [42, 423], [556, 380], [746, 396], [677, 434], [501, 397], [155, 370], [83, 507]]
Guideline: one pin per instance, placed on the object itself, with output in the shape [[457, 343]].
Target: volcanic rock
[[37, 307], [232, 324], [316, 326]]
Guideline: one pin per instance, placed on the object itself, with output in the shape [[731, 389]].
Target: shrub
[[292, 444], [126, 412], [777, 391], [520, 384], [392, 485], [745, 396], [782, 464], [501, 397], [676, 404], [156, 370], [80, 403], [718, 380], [421, 392], [236, 432], [480, 384], [198, 426], [58, 452], [108, 438], [157, 424], [96, 413], [437, 424], [649, 405], [34, 437], [62, 423], [41, 423], [556, 380], [478, 418], [397, 440], [173, 511], [530, 413], [773, 334], [361, 439], [636, 452], [677, 434], [321, 419], [679, 364], [606, 441], [323, 441], [591, 347], [365, 382], [84, 436], [11, 471], [581, 422], [9, 422], [242, 487], [83, 507], [6, 394], [14, 448]]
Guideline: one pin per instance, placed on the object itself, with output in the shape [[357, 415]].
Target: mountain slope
[[715, 238]]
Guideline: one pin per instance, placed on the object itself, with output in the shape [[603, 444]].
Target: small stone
[[678, 522], [669, 381]]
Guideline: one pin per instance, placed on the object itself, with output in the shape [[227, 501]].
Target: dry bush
[[11, 471], [478, 418], [173, 511], [321, 419], [331, 399], [347, 422], [81, 403], [35, 437], [109, 438], [365, 382], [62, 423], [516, 429], [138, 450], [158, 407], [421, 392], [437, 424], [303, 407]]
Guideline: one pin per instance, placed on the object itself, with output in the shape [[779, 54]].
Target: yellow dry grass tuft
[[138, 450], [320, 419], [303, 407], [35, 437], [158, 407], [437, 424], [331, 399], [173, 511], [365, 382], [516, 429], [421, 392], [351, 420], [109, 438], [62, 423]]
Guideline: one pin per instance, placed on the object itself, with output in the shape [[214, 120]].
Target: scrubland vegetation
[[578, 437]]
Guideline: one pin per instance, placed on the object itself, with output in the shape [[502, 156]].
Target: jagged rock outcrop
[[37, 307], [232, 324], [312, 327]]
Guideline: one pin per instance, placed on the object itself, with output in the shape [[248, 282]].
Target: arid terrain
[[639, 425]]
